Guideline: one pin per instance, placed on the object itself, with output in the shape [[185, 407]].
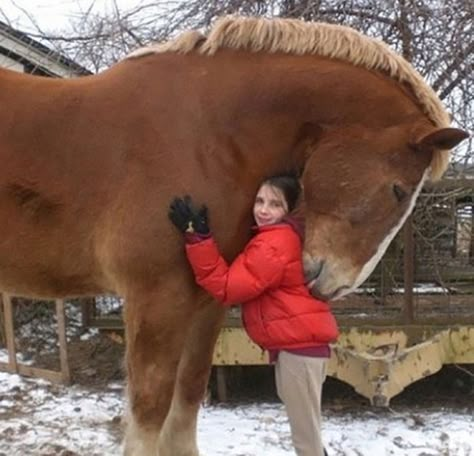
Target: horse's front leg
[[156, 327], [178, 436]]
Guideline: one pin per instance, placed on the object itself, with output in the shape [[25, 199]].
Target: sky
[[54, 15]]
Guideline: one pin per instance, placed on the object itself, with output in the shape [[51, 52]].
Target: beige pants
[[299, 381]]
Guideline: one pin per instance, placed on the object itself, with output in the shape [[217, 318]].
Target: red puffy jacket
[[267, 279]]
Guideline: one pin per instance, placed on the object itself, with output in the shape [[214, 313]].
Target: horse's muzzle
[[312, 268], [324, 285]]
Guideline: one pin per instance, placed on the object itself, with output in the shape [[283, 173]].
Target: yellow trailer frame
[[379, 362]]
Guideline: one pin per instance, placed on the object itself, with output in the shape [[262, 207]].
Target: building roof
[[18, 46]]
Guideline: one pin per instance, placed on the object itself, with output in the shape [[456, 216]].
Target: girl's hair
[[289, 185]]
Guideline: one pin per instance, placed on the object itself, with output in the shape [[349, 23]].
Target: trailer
[[378, 361]]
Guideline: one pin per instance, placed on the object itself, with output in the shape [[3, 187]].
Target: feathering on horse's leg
[[178, 436], [156, 328]]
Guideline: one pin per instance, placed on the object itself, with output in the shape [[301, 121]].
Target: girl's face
[[270, 205]]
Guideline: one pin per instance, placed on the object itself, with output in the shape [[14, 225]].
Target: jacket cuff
[[195, 238]]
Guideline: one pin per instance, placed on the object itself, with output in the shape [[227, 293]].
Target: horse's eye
[[399, 193]]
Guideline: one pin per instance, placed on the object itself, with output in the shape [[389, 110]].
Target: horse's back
[[85, 181]]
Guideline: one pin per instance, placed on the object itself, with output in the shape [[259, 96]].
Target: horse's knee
[[151, 373], [193, 384], [150, 399]]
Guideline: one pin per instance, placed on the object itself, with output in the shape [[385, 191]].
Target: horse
[[90, 165]]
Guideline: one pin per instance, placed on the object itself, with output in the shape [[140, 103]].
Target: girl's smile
[[270, 205]]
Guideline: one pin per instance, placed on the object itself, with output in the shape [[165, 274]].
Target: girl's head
[[276, 197]]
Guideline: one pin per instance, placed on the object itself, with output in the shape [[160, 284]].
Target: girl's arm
[[255, 270]]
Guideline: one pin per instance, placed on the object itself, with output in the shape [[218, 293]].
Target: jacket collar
[[296, 223]]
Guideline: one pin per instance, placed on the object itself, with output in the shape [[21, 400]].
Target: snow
[[420, 288], [42, 419], [38, 418]]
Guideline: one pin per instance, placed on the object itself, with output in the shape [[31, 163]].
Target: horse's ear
[[441, 138]]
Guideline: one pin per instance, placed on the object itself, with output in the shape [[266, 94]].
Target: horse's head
[[360, 185]]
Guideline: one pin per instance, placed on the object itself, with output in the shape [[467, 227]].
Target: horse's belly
[[46, 283]]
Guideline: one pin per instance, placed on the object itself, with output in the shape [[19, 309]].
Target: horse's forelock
[[295, 36]]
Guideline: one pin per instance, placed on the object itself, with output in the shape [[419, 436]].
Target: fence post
[[87, 310], [63, 355], [10, 332], [408, 270]]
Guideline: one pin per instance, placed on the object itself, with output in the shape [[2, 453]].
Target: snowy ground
[[41, 419], [38, 418]]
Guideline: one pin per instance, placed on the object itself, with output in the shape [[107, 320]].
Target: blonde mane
[[295, 36]]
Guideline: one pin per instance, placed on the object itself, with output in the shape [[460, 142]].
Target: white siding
[[36, 57], [7, 62]]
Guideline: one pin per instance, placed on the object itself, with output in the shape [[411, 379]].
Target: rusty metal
[[378, 362]]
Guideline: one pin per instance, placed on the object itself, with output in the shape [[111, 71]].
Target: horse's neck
[[270, 102], [311, 88], [27, 97]]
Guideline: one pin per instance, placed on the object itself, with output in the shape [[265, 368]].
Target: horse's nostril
[[319, 269], [313, 269]]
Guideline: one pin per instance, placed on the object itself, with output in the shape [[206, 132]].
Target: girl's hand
[[187, 217]]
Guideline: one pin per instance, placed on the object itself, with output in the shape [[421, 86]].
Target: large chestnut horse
[[89, 166]]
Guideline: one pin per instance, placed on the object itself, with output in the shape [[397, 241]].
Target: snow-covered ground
[[41, 419]]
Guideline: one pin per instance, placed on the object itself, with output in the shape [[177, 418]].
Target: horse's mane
[[295, 36]]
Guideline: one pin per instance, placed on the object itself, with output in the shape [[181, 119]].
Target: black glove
[[187, 218]]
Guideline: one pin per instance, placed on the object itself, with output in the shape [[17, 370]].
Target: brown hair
[[289, 185]]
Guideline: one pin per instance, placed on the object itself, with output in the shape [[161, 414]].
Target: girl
[[278, 311]]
